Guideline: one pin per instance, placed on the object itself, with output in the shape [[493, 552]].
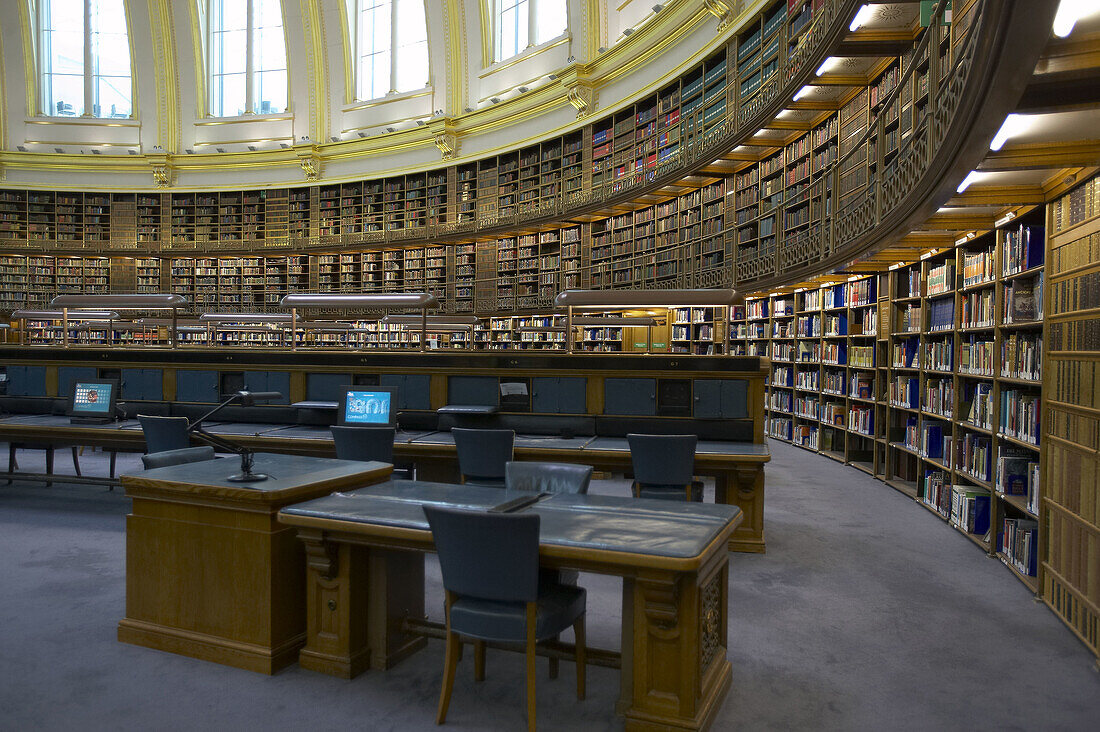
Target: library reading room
[[766, 332]]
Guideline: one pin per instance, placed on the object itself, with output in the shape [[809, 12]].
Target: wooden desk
[[365, 577], [210, 573], [737, 467]]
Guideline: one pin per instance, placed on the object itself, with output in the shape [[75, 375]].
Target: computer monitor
[[369, 406], [93, 400]]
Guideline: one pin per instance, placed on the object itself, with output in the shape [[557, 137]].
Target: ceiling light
[[20, 148], [421, 123], [602, 49], [283, 145], [627, 31], [252, 148], [495, 100], [658, 8], [970, 178], [96, 152], [58, 150], [862, 18], [361, 133], [220, 149], [189, 151], [1005, 219], [522, 90], [803, 92], [1012, 125], [1069, 12], [334, 139], [134, 152], [390, 129]]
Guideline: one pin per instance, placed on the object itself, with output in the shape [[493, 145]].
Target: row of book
[[1019, 416], [1017, 474], [941, 314]]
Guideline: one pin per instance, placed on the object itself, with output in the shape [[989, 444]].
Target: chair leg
[[553, 667], [114, 459], [12, 464], [479, 660], [531, 617], [49, 465], [76, 460], [450, 664], [582, 655]]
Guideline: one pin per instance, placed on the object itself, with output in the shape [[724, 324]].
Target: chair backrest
[[177, 457], [483, 453], [364, 443], [164, 433], [547, 477], [662, 459], [493, 556]]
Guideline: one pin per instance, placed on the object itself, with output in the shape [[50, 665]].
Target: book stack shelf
[[695, 330], [927, 377], [1070, 509]]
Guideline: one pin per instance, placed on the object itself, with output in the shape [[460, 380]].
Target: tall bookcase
[[925, 376], [1071, 423]]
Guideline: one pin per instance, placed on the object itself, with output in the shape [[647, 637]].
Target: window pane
[[269, 79], [228, 52], [374, 48], [65, 95], [63, 15], [66, 52], [511, 27], [411, 56], [228, 15], [269, 92], [113, 96], [550, 19], [228, 95], [268, 50]]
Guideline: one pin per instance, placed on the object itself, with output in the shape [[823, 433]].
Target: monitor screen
[[94, 398], [369, 406]]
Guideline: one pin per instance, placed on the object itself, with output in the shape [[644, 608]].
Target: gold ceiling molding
[[721, 9], [165, 72], [389, 99], [486, 32], [595, 26], [443, 135], [316, 66], [246, 119]]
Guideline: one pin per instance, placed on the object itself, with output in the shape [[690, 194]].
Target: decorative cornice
[[30, 79], [443, 135], [163, 174], [721, 9], [309, 160]]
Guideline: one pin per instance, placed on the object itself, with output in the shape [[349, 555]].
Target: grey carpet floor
[[866, 613]]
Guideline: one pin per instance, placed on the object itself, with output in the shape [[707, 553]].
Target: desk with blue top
[[365, 583]]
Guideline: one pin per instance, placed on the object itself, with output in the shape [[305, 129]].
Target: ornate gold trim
[[165, 73], [389, 99], [456, 58], [486, 33], [201, 108], [316, 66], [349, 62], [246, 119], [30, 78]]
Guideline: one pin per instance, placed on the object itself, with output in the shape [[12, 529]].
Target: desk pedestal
[[212, 574]]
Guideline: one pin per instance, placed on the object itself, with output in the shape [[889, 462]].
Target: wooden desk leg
[[744, 487], [356, 600], [675, 673]]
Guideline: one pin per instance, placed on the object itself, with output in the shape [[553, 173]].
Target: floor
[[867, 612]]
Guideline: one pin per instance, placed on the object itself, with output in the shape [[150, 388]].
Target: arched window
[[389, 46], [84, 58], [518, 24], [246, 50]]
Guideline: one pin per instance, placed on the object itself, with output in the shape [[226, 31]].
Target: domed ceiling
[[226, 93]]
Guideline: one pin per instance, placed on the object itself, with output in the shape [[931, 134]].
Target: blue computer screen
[[92, 398], [367, 407]]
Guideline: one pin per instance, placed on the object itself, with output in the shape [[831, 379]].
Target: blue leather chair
[[367, 443], [547, 477], [164, 433], [663, 467], [482, 455], [490, 567], [177, 457], [542, 477]]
